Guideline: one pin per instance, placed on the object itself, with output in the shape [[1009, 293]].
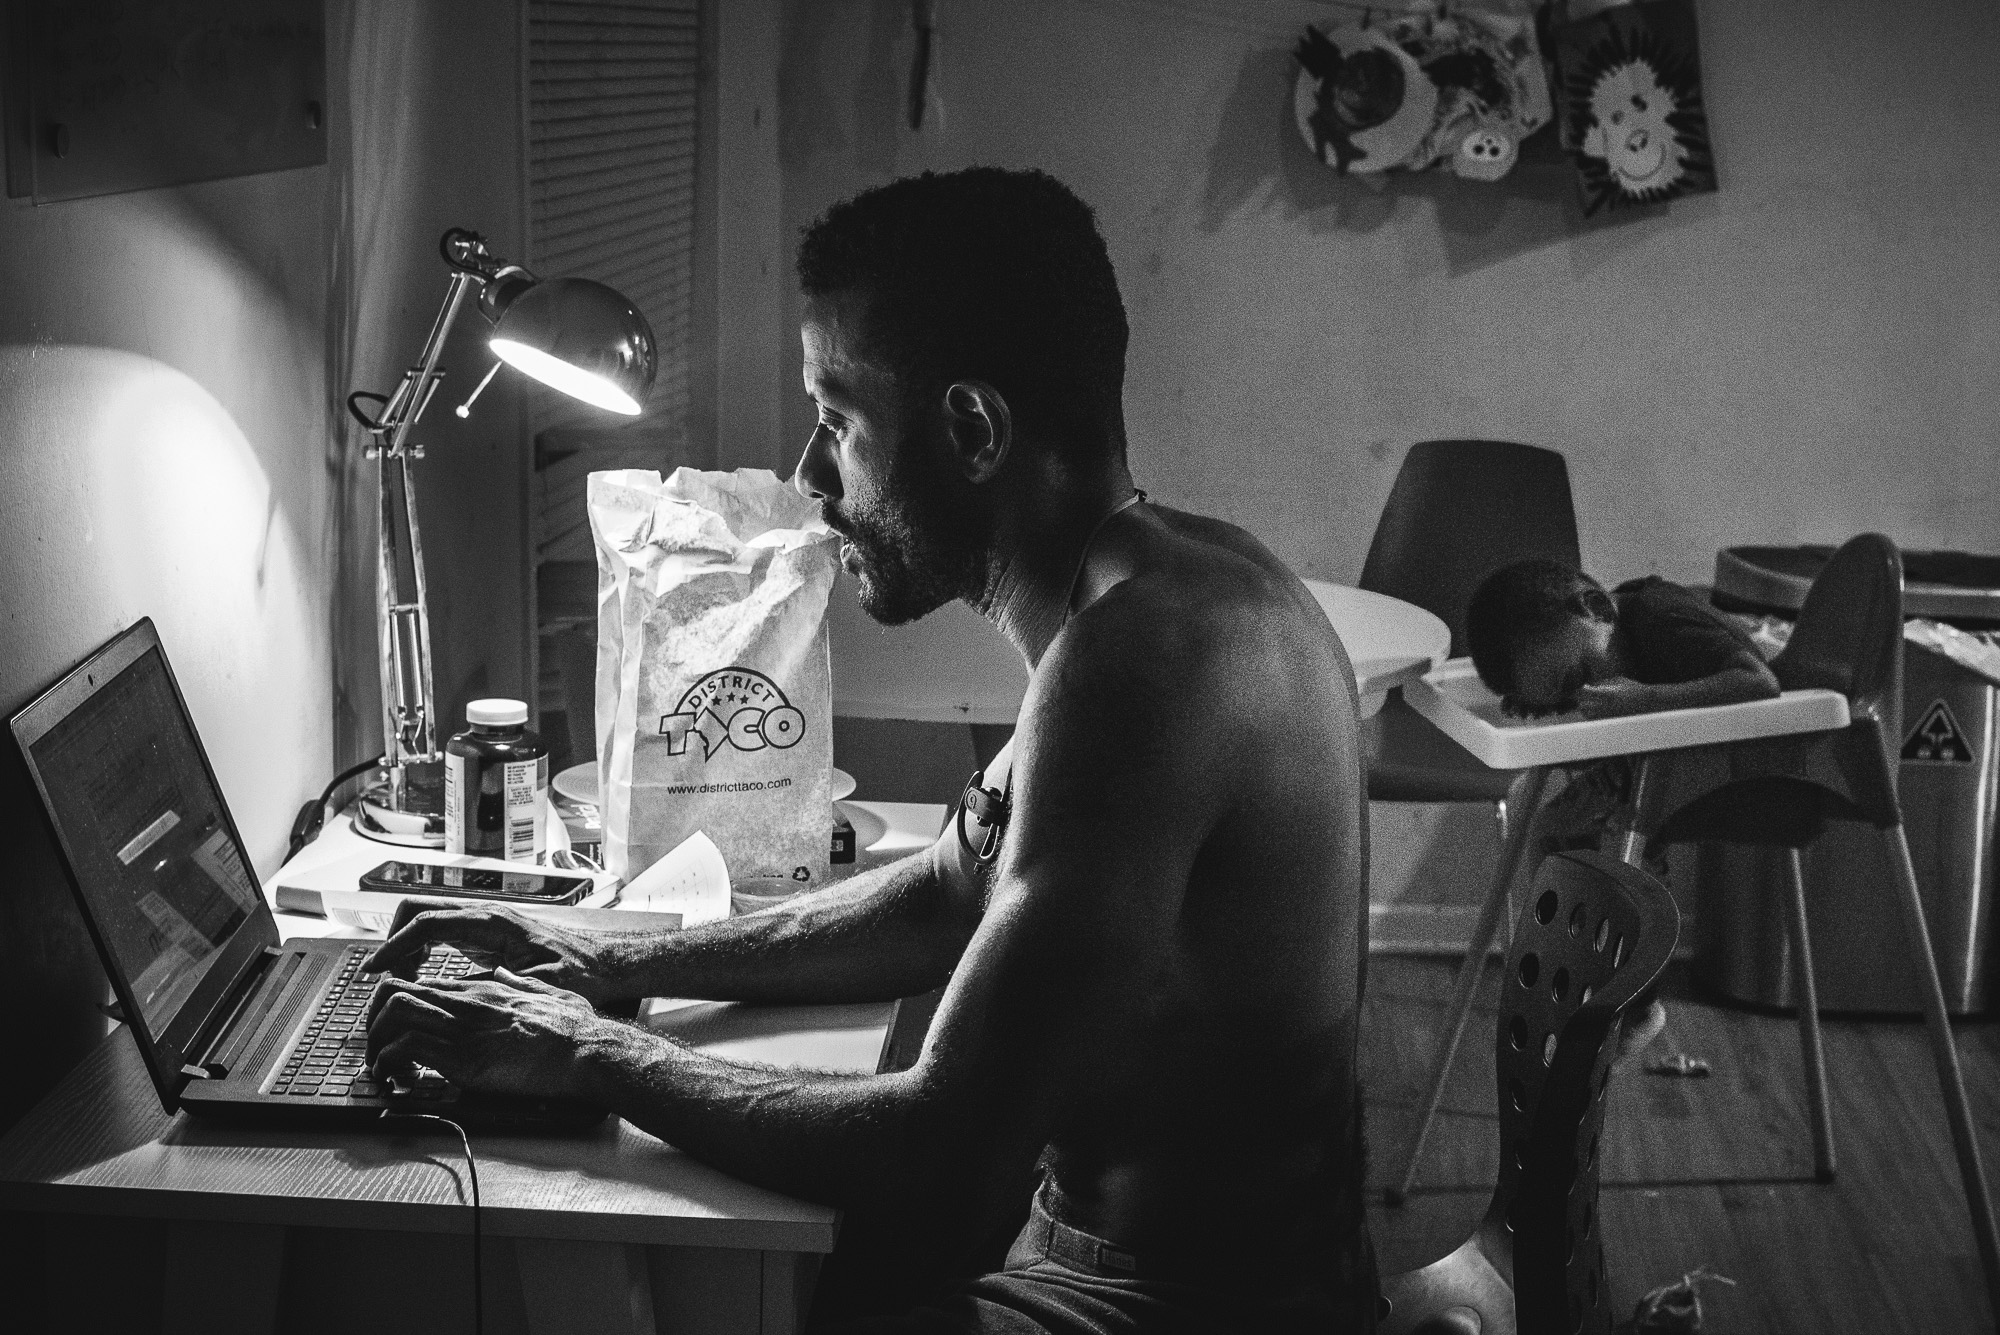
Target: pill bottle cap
[[496, 713]]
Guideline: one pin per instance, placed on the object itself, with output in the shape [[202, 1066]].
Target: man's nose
[[816, 478]]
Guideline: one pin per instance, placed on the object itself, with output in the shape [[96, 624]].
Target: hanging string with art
[[1416, 90], [1460, 88]]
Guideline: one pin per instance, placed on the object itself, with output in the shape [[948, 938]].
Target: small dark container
[[496, 776]]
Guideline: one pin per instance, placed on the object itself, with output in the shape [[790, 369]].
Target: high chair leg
[[1529, 790], [1807, 998], [1951, 1082]]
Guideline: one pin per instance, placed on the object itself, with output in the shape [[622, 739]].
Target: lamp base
[[417, 820]]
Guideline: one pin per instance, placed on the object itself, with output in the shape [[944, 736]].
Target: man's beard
[[915, 558]]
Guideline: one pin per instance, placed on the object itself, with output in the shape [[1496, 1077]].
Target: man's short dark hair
[[986, 274], [1521, 603]]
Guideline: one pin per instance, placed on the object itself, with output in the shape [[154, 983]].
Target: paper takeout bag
[[714, 695]]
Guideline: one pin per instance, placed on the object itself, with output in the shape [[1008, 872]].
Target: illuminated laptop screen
[[145, 834]]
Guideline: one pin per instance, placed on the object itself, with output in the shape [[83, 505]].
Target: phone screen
[[476, 882]]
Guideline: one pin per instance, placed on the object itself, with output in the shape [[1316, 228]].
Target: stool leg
[[1951, 1082], [1529, 790], [1807, 998]]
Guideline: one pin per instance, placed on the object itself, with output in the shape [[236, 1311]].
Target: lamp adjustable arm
[[403, 631], [578, 336]]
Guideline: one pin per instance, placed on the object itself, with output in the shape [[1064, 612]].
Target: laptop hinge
[[206, 1071], [112, 1011]]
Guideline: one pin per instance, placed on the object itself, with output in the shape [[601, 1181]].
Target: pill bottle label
[[454, 803], [524, 785], [493, 809]]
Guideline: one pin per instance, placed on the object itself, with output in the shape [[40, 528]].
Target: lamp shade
[[582, 338]]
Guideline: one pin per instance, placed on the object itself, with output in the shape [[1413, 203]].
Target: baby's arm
[[1747, 677]]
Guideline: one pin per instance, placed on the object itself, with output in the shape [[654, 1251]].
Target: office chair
[[1459, 510], [1595, 933], [1781, 791]]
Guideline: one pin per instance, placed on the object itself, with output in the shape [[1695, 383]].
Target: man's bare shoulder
[[1202, 632]]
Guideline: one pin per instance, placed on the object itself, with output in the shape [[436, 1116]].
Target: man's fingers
[[425, 997], [527, 982], [417, 1048], [396, 1011], [416, 929]]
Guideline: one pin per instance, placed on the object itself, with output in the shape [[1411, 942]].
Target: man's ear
[[981, 426]]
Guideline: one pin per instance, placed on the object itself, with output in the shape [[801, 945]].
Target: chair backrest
[[1461, 509], [1594, 933], [1849, 634]]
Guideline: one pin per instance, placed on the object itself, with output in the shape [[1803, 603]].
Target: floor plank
[[1714, 1172]]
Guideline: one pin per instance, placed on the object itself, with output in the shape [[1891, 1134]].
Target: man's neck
[[1038, 547]]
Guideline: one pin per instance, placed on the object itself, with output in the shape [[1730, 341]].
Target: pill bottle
[[496, 775]]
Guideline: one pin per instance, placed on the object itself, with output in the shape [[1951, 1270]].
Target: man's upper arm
[[1119, 775]]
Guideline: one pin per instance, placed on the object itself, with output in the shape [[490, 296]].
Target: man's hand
[[510, 1035], [500, 938], [1614, 697]]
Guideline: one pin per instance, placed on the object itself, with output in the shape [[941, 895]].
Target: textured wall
[[1811, 352], [171, 445]]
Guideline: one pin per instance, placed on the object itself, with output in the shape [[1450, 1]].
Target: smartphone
[[519, 887]]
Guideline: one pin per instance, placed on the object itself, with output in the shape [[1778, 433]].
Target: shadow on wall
[[1260, 162]]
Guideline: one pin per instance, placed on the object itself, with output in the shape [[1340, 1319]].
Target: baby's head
[[1539, 632]]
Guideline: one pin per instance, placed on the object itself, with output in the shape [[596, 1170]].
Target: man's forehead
[[840, 350]]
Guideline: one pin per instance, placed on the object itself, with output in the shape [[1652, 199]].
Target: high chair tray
[[1453, 697]]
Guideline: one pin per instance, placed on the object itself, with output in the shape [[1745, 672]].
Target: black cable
[[313, 814], [472, 1169], [371, 423]]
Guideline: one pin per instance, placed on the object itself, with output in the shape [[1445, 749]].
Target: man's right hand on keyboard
[[576, 960]]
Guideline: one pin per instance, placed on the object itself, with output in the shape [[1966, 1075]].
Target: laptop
[[231, 1022]]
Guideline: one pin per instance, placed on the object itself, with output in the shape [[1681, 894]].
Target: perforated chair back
[[1594, 934], [1461, 509]]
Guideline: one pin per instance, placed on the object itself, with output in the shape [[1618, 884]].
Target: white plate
[[579, 783], [868, 827]]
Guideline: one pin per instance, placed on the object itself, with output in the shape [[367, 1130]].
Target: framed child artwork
[[1628, 91]]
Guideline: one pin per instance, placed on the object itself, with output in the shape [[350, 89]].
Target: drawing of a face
[[1630, 131]]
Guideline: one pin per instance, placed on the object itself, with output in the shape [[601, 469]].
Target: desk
[[612, 1231]]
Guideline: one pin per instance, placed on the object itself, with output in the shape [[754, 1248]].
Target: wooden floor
[[1714, 1172]]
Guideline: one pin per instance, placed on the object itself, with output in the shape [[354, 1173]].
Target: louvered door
[[611, 188], [611, 196]]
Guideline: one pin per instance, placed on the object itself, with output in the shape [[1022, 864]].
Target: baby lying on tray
[[1548, 639]]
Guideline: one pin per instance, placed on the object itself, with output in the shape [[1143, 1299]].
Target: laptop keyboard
[[330, 1060]]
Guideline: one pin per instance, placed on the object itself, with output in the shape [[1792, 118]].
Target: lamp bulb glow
[[558, 374]]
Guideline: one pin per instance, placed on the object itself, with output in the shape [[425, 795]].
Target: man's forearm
[[834, 1137], [890, 932]]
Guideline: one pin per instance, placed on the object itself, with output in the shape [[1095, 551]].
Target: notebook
[[231, 1022]]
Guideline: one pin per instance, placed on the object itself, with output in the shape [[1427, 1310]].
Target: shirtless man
[[1151, 989]]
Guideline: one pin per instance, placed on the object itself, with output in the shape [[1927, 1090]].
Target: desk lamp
[[571, 334]]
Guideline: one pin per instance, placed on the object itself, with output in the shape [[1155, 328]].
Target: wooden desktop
[[611, 1231]]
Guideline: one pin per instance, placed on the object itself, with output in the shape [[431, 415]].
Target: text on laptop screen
[[146, 835]]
